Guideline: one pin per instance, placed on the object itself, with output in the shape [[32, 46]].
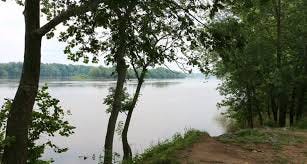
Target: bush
[[48, 118]]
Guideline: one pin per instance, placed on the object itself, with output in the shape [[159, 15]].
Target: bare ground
[[211, 150]]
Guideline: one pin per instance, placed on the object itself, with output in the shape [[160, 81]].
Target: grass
[[281, 160], [164, 152], [275, 137], [302, 124]]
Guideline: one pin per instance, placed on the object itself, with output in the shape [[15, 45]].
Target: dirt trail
[[211, 150]]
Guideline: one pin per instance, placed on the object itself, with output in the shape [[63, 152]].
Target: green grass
[[164, 152], [275, 137]]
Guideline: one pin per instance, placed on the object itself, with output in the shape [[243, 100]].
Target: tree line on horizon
[[13, 71]]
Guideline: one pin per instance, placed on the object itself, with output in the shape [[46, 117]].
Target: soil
[[211, 150]]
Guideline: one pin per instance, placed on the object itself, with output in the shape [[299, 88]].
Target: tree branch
[[135, 70], [187, 12], [71, 11]]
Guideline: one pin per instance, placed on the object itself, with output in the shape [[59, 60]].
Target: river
[[165, 107]]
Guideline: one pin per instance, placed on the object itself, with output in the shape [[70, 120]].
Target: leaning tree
[[20, 115], [119, 30]]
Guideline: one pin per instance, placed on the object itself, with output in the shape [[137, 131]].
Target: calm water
[[165, 107]]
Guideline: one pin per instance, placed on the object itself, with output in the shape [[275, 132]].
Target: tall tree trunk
[[268, 108], [256, 104], [292, 106], [300, 103], [283, 109], [121, 68], [278, 28], [126, 146], [281, 96], [21, 112], [301, 94], [259, 113], [116, 107], [273, 106], [250, 108]]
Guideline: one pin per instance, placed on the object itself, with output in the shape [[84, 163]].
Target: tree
[[22, 106], [48, 119], [140, 61], [114, 33], [261, 59]]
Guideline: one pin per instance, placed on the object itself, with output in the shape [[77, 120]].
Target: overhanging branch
[[70, 12]]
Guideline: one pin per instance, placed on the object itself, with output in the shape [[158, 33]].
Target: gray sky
[[12, 37]]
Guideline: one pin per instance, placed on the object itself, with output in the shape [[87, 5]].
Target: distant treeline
[[13, 70]]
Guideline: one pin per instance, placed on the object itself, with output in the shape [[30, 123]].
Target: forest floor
[[248, 146]]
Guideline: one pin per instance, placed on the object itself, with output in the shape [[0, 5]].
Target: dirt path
[[211, 150]]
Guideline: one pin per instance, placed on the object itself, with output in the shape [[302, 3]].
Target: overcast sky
[[12, 37]]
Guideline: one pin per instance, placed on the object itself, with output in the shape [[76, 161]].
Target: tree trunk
[[249, 109], [274, 108], [259, 115], [301, 94], [278, 27], [21, 112], [256, 104], [300, 103], [126, 146], [116, 107], [292, 106], [283, 109], [121, 68], [282, 97], [268, 108]]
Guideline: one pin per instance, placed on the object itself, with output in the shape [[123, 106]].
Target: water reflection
[[154, 83]]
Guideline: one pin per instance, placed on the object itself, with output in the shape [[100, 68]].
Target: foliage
[[166, 150], [3, 117], [146, 25], [125, 100], [261, 62], [47, 120], [130, 29]]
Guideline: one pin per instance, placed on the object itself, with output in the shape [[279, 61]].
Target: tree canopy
[[261, 60]]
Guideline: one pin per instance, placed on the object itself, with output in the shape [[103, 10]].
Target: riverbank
[[244, 146]]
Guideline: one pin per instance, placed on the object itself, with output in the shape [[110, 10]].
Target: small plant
[[47, 119]]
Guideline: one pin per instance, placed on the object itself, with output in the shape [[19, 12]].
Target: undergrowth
[[165, 152], [275, 137]]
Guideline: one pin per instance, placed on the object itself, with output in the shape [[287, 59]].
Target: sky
[[12, 38]]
